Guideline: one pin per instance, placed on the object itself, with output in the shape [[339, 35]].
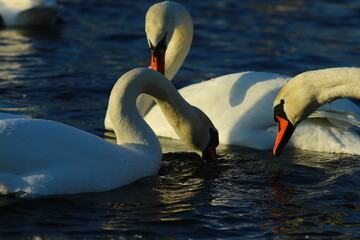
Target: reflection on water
[[307, 197], [168, 201], [13, 44], [244, 194]]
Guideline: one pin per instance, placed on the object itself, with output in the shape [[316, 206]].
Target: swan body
[[306, 92], [47, 157], [22, 13], [241, 107]]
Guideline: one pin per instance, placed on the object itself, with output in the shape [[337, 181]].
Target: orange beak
[[285, 130], [158, 60], [158, 55]]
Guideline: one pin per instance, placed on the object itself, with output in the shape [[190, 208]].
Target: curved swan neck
[[129, 126], [174, 20], [333, 83], [304, 93], [180, 43]]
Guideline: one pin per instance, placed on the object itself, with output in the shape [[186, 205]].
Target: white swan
[[307, 91], [22, 13], [47, 157]]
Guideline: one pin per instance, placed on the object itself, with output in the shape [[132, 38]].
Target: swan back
[[24, 4], [19, 13], [170, 21], [47, 157]]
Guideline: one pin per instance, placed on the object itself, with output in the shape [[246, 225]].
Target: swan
[[47, 157], [306, 92], [22, 13]]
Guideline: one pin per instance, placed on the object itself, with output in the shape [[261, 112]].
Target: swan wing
[[342, 113]]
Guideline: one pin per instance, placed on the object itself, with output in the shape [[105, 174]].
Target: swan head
[[200, 134], [209, 153], [169, 30], [295, 102], [204, 137], [157, 27], [285, 126]]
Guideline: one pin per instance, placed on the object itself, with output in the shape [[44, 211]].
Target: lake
[[65, 73]]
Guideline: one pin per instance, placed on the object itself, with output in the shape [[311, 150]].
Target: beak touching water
[[285, 130], [209, 154]]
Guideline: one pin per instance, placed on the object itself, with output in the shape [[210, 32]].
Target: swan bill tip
[[209, 154], [285, 131]]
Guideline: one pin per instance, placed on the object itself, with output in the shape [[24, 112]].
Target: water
[[65, 73]]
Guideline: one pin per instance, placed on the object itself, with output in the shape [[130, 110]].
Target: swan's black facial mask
[[209, 154], [285, 128], [158, 55]]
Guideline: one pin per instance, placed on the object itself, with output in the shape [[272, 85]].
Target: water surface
[[65, 73]]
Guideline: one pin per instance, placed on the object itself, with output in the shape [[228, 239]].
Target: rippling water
[[65, 73]]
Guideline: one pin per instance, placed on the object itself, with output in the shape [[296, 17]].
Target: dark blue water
[[65, 73]]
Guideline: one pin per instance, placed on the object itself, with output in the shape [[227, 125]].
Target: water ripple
[[65, 73]]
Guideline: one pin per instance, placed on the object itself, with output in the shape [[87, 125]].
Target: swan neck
[[304, 93], [334, 83], [129, 126], [180, 43]]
